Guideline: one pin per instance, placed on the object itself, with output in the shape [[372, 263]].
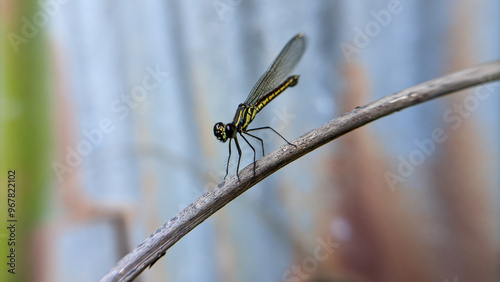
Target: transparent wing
[[280, 69]]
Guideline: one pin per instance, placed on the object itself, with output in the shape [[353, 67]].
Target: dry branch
[[160, 241]]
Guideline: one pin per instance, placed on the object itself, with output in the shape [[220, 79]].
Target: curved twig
[[155, 246]]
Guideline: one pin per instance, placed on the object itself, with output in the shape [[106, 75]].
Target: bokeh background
[[107, 109]]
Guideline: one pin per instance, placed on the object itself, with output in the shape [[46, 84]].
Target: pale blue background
[[162, 155]]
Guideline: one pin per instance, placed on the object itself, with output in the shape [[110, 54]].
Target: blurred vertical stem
[[24, 130]]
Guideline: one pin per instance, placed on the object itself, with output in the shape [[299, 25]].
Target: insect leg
[[239, 157], [261, 142], [253, 152], [268, 127], [228, 159]]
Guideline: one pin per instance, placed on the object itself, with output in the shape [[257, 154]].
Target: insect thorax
[[244, 116]]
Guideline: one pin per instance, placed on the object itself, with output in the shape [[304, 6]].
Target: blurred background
[[107, 110]]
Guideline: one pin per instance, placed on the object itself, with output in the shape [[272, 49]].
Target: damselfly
[[272, 83]]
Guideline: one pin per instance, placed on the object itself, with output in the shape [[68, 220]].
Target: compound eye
[[219, 131], [218, 127]]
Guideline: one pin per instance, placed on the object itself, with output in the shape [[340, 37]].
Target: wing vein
[[282, 66]]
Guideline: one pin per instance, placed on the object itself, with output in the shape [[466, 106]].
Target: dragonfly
[[272, 83]]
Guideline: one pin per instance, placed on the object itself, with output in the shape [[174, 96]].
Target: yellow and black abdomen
[[246, 113], [289, 82]]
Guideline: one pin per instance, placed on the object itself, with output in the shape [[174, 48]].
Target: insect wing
[[280, 69]]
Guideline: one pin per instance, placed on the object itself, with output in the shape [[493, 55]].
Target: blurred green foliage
[[25, 103]]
